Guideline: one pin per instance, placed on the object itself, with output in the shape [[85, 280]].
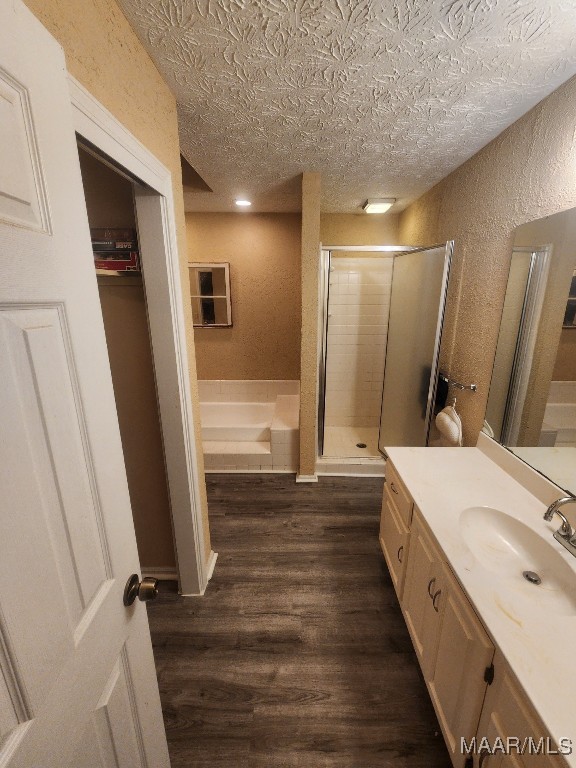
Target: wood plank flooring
[[298, 654]]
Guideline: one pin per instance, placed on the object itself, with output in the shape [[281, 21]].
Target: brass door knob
[[144, 590]]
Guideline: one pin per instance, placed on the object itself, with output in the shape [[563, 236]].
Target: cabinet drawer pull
[[400, 553], [393, 489], [436, 594], [430, 584]]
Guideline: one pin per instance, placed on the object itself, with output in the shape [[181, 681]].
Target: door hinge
[[489, 674]]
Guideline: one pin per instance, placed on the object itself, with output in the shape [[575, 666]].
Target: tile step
[[247, 447]]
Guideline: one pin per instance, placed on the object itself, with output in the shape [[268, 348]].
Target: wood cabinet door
[[508, 713], [457, 685], [394, 539], [422, 594]]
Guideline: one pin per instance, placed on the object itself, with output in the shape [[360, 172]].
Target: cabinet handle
[[393, 489], [484, 755], [436, 594], [400, 551], [430, 583]]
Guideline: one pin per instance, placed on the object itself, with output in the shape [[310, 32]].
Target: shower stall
[[381, 317]]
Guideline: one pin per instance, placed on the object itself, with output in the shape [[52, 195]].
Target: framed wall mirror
[[210, 294], [532, 400]]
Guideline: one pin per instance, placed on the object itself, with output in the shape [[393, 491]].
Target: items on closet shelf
[[449, 425], [115, 249]]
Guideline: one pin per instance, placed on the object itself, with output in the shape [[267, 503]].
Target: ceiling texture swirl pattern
[[383, 98]]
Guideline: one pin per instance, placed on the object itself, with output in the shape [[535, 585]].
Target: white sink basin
[[509, 548]]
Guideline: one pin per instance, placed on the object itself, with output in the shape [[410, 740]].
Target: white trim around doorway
[[157, 232]]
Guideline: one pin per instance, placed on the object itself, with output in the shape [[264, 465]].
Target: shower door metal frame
[[526, 341], [323, 299], [433, 385]]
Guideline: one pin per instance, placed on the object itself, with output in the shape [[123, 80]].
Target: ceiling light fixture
[[380, 205], [243, 203]]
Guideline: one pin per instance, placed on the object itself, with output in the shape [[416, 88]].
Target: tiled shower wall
[[358, 306]]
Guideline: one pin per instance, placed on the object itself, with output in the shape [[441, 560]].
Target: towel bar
[[457, 384]]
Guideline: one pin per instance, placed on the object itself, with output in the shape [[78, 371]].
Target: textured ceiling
[[383, 98]]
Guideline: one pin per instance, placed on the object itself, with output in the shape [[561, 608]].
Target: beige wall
[[359, 229], [565, 365], [310, 244], [109, 202], [264, 254], [105, 55], [527, 172]]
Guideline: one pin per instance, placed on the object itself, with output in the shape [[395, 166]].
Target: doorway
[[382, 309], [154, 207], [112, 219]]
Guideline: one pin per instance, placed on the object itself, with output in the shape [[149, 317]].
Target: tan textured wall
[[311, 197], [264, 254], [359, 229], [527, 172], [105, 55], [565, 365]]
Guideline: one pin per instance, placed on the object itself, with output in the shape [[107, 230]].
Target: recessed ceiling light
[[380, 205], [243, 203]]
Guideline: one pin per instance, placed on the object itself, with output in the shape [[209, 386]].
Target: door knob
[[147, 589]]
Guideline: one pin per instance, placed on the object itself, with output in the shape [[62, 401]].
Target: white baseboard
[[211, 564], [330, 473], [306, 478], [250, 471], [160, 572]]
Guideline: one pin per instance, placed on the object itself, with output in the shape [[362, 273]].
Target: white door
[[78, 685]]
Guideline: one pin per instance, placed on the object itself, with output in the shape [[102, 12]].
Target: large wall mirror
[[532, 401]]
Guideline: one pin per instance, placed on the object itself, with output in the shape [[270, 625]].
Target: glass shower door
[[417, 305]]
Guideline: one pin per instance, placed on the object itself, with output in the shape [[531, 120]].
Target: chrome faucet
[[565, 534]]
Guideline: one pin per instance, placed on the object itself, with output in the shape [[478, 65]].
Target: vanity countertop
[[540, 646]]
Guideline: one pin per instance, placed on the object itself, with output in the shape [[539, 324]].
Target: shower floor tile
[[342, 442]]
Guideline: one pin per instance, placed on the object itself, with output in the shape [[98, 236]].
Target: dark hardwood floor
[[298, 654]]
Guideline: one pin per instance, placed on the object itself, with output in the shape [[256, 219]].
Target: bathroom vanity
[[459, 528]]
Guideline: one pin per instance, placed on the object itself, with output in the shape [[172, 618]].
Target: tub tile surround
[[256, 391], [265, 443], [536, 644]]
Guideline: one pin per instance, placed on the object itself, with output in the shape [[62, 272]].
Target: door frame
[[157, 231]]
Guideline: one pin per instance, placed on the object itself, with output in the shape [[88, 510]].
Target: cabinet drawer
[[398, 492], [394, 538]]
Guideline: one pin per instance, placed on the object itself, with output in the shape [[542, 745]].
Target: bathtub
[[250, 426], [238, 422], [559, 427]]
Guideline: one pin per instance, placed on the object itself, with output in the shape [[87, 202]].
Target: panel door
[[78, 685]]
